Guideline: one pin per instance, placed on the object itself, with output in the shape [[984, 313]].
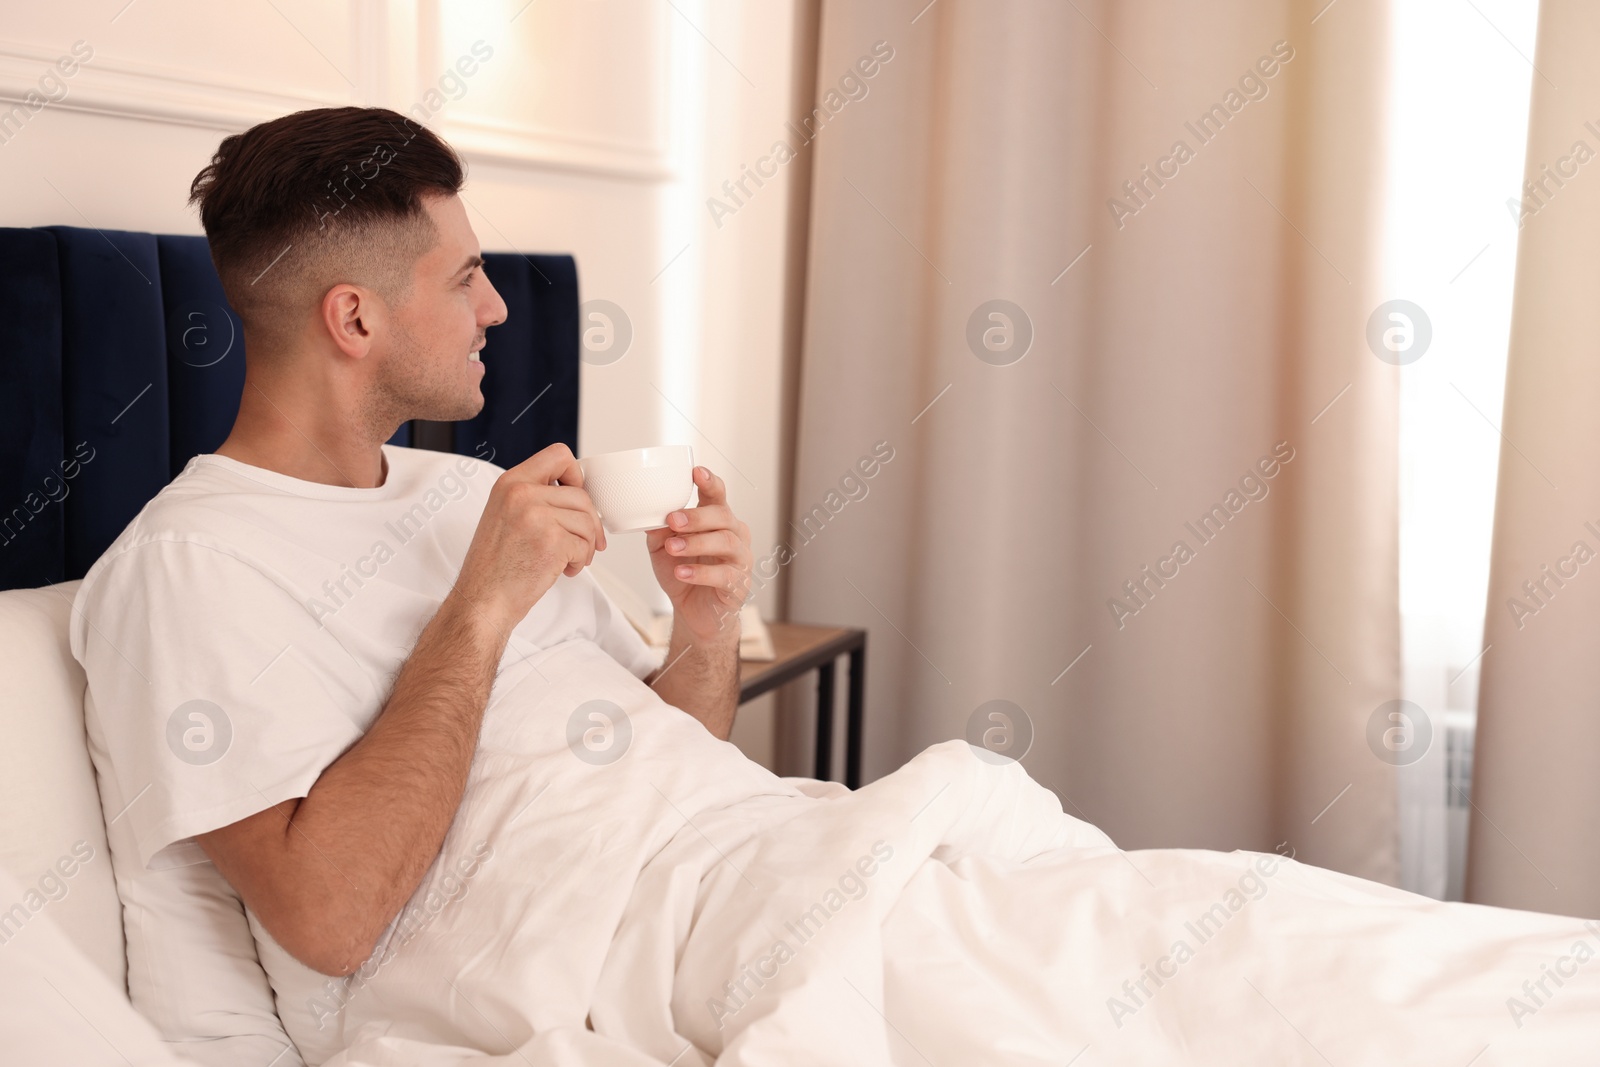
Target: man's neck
[[302, 436]]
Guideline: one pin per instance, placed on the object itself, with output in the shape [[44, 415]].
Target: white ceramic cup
[[637, 489]]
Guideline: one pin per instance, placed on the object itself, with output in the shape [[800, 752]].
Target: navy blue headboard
[[120, 359]]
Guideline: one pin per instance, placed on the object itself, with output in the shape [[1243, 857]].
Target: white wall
[[597, 127]]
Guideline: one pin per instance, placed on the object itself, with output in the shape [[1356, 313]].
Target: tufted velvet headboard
[[120, 359]]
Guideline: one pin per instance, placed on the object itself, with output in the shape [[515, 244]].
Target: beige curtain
[[1536, 780], [1197, 353]]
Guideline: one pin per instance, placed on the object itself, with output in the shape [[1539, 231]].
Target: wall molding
[[126, 89], [528, 147]]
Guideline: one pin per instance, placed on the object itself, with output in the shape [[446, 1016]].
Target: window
[[1461, 74]]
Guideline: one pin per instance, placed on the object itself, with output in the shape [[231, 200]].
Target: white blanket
[[693, 909]]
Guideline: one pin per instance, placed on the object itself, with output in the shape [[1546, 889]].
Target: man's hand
[[538, 524], [702, 559]]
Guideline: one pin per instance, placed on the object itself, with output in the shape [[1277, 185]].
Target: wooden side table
[[801, 648]]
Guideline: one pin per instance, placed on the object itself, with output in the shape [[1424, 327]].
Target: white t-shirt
[[239, 636], [248, 614]]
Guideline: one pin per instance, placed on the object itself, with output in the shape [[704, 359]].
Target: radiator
[[1460, 728]]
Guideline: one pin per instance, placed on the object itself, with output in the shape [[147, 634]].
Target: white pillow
[[57, 1006], [192, 964], [52, 836], [194, 969]]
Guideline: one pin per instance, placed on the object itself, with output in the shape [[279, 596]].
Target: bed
[[683, 906]]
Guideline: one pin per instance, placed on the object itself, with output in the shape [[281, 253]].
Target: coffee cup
[[637, 489]]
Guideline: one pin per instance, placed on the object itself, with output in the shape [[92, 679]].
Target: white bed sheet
[[982, 926]]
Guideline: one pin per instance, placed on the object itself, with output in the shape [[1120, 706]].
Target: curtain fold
[[1096, 279], [1535, 788]]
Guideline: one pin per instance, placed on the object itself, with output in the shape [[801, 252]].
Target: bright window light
[[1461, 74]]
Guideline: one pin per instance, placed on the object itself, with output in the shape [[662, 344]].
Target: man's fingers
[[579, 552], [586, 532], [729, 582], [555, 463], [723, 544], [704, 517], [571, 497], [712, 489], [574, 498]]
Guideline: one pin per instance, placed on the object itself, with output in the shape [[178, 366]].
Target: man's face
[[429, 367]]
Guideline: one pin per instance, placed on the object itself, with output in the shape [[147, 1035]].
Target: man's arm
[[327, 873], [702, 559], [702, 678]]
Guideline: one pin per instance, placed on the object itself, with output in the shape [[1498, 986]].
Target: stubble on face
[[413, 384]]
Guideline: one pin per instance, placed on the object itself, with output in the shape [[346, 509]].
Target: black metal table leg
[[825, 721], [853, 724]]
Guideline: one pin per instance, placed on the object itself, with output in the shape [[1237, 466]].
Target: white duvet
[[682, 906]]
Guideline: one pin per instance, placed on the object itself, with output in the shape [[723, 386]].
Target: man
[[377, 320], [364, 304]]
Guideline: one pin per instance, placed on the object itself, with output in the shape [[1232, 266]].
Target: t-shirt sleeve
[[216, 694], [616, 635]]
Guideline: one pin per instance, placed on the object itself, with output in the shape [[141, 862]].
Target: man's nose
[[493, 313]]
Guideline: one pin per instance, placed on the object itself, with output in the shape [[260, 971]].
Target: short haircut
[[297, 205]]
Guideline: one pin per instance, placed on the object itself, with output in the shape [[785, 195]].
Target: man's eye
[[466, 283]]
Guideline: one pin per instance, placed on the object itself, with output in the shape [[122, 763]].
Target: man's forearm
[[345, 858], [702, 677]]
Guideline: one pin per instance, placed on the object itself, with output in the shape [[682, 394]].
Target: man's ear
[[352, 317]]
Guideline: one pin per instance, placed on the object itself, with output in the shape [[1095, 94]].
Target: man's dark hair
[[297, 205]]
